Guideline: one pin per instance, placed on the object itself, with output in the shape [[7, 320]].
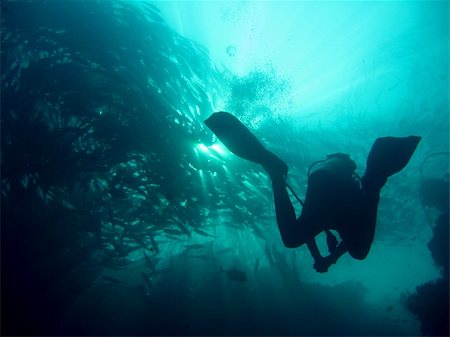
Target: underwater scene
[[124, 213]]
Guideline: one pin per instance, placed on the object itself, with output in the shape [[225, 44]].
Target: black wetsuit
[[334, 200]]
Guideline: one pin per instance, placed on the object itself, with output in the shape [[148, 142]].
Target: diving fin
[[235, 136], [388, 156], [239, 140]]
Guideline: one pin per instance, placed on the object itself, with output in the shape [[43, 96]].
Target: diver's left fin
[[390, 155]]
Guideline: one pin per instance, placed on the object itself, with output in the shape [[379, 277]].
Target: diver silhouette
[[336, 199]]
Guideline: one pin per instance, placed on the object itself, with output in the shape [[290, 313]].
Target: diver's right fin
[[390, 155], [243, 143], [236, 137]]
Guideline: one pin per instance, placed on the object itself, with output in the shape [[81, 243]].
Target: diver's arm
[[336, 253], [312, 245]]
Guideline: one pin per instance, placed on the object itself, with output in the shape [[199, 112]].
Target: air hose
[[309, 170], [295, 195]]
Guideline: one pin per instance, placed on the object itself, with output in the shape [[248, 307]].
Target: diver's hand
[[322, 264]]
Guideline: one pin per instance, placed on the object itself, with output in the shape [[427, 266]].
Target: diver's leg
[[295, 232], [284, 210], [361, 231], [387, 156], [285, 213]]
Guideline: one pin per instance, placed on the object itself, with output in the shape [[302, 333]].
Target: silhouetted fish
[[203, 233], [154, 244], [149, 262], [224, 251], [194, 246], [173, 231], [231, 50], [184, 229], [234, 274]]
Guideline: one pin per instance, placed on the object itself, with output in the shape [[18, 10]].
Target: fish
[[150, 264], [234, 274], [123, 249], [119, 249], [154, 244], [194, 246], [139, 240], [173, 231], [223, 251], [173, 238], [117, 193], [203, 233], [184, 229]]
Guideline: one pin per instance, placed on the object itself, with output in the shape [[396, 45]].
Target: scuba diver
[[336, 199]]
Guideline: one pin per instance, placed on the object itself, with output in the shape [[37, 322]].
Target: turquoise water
[[120, 208]]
